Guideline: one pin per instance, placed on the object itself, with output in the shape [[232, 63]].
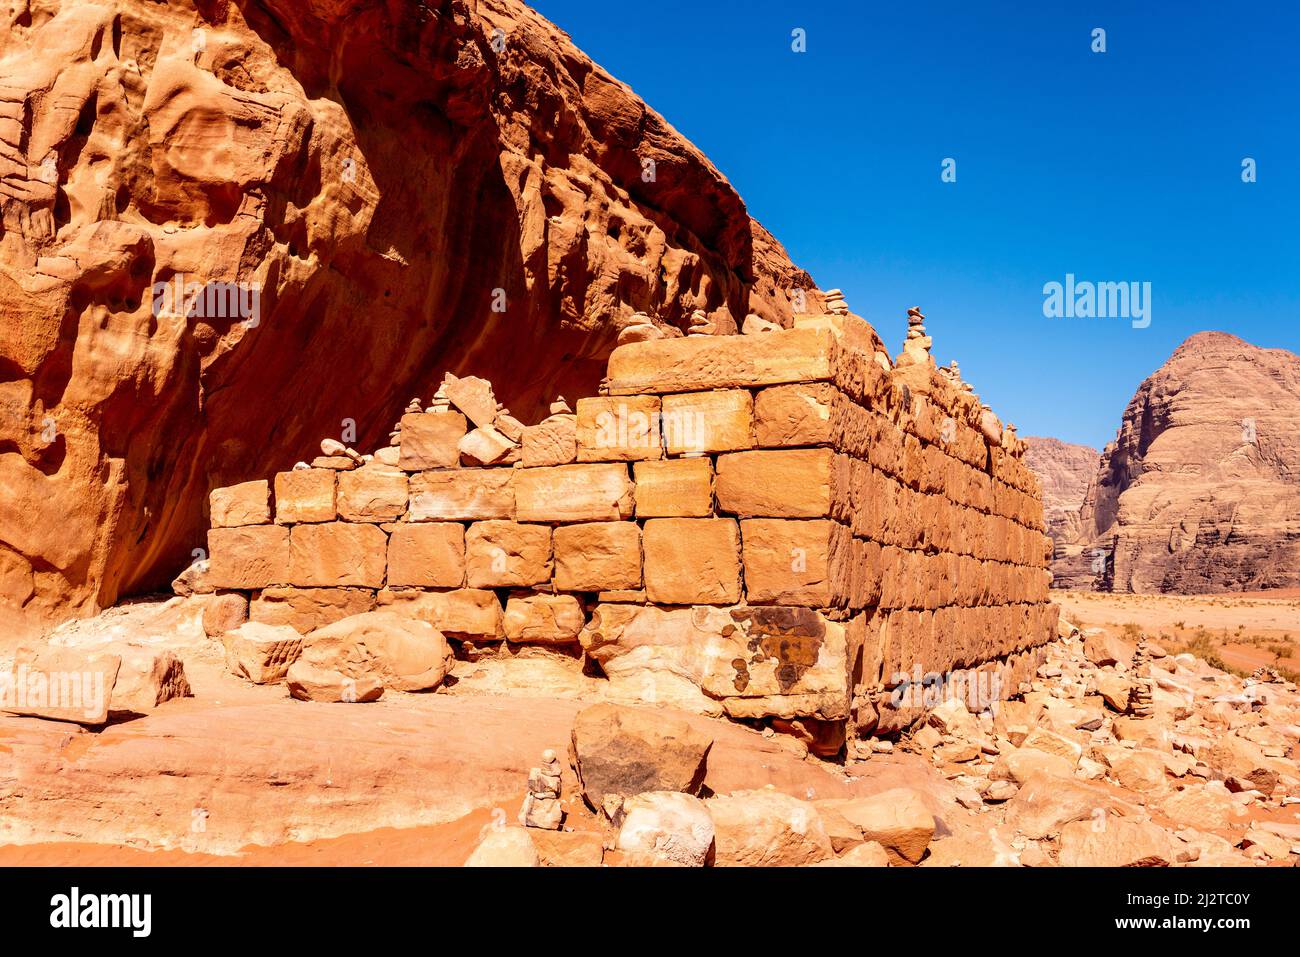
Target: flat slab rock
[[262, 769]]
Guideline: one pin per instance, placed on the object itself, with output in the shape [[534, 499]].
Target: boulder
[[261, 653], [1115, 691], [669, 824], [147, 677], [1103, 649], [766, 828], [952, 717], [402, 653], [309, 682], [897, 819], [63, 684], [620, 751], [1117, 842], [1018, 765], [1244, 760], [1045, 803], [1275, 847], [1141, 770], [844, 834], [194, 580], [222, 612]]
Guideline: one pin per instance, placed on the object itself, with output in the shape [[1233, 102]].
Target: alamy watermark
[[980, 690], [30, 689], [1098, 300]]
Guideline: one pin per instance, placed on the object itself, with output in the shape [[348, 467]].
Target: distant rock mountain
[[1200, 491], [1064, 471]]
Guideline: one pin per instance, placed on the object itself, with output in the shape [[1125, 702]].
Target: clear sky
[[1117, 166]]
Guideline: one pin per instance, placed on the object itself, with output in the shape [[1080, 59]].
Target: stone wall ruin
[[777, 526]]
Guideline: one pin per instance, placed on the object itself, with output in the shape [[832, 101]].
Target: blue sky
[[1116, 166]]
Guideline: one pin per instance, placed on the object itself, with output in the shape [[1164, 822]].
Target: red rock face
[[1200, 491], [392, 188], [1064, 471]]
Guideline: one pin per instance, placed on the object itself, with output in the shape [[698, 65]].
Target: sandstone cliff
[[1200, 491], [388, 188], [1064, 471]]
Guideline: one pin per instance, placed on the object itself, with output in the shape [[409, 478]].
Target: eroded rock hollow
[[362, 194]]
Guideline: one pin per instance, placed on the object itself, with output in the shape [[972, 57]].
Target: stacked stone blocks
[[789, 469]]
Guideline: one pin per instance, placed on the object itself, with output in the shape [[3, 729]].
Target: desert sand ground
[[417, 779], [1244, 631]]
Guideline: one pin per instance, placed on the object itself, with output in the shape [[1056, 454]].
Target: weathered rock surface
[[744, 662], [668, 824], [895, 819], [621, 752], [401, 653], [262, 653], [1200, 491], [1064, 471], [765, 828], [514, 225]]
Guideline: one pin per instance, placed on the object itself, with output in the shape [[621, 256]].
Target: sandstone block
[[573, 493], [543, 619], [598, 556], [309, 682], [306, 609], [338, 463], [146, 678], [897, 819], [1119, 843], [63, 684], [473, 396], [767, 828], [223, 612], [788, 562], [261, 653], [427, 554], [400, 652], [462, 495], [466, 614], [692, 561], [306, 495], [748, 662], [553, 441], [431, 440], [337, 553], [674, 488], [507, 554], [786, 483], [718, 362], [715, 421], [798, 414], [622, 752], [484, 446], [618, 429], [667, 824], [248, 503], [253, 556], [373, 493]]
